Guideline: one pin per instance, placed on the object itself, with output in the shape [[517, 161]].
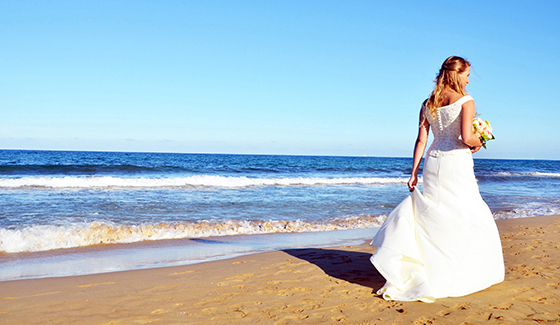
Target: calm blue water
[[51, 200]]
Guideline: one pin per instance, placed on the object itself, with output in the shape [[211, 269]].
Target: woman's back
[[446, 127]]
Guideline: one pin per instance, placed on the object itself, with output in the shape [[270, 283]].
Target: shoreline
[[311, 285], [100, 259]]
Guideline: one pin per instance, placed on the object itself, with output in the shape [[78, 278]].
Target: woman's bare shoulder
[[455, 96], [450, 97]]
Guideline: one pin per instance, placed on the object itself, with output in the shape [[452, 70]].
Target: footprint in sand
[[445, 312], [530, 248], [235, 279], [529, 297], [462, 306], [209, 301], [522, 289], [528, 294], [210, 310], [181, 273], [145, 320], [271, 266], [291, 291], [266, 292], [554, 285], [159, 289], [305, 270], [544, 317], [539, 299], [481, 316], [526, 271], [502, 306], [279, 282], [312, 304], [301, 289], [242, 306], [244, 276], [282, 271], [227, 283], [35, 295], [424, 320], [338, 309], [296, 317], [94, 284]]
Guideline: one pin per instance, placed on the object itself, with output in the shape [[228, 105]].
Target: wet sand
[[312, 286]]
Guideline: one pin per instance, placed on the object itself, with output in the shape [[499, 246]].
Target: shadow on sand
[[353, 267]]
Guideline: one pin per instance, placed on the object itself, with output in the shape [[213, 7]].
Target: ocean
[[70, 213]]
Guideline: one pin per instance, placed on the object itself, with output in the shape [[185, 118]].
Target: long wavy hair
[[448, 76]]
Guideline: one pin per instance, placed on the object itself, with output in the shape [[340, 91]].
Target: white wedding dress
[[444, 243]]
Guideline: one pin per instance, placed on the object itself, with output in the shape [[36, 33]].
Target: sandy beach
[[314, 285]]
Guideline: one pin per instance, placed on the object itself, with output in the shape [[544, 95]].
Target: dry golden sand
[[313, 286]]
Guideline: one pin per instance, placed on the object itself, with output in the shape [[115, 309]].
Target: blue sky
[[271, 77]]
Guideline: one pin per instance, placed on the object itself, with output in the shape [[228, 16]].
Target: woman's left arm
[[467, 116]]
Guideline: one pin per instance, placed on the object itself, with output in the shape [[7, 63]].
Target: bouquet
[[483, 130]]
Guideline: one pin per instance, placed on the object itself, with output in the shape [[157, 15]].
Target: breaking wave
[[191, 181], [530, 210], [44, 237]]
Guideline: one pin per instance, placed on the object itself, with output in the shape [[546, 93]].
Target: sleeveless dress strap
[[463, 100]]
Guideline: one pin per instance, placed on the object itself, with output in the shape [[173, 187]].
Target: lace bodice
[[446, 127]]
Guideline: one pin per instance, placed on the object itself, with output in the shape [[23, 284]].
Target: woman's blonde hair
[[448, 76]]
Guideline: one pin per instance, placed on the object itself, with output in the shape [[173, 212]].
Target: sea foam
[[44, 237], [528, 174]]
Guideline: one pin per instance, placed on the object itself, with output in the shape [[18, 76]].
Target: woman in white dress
[[444, 242]]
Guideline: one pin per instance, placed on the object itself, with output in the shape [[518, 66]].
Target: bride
[[443, 243]]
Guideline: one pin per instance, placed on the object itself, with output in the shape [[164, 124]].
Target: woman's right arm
[[419, 147]]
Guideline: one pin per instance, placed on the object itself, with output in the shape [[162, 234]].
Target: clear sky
[[271, 77]]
